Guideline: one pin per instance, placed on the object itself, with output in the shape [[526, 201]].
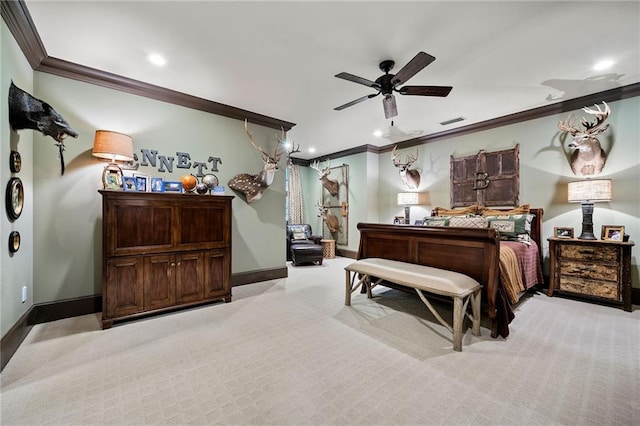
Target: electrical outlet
[[24, 294]]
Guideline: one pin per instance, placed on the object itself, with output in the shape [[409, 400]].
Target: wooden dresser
[[595, 269], [163, 251]]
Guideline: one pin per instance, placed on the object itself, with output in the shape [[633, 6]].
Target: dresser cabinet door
[[123, 289], [189, 277], [216, 274], [159, 281]]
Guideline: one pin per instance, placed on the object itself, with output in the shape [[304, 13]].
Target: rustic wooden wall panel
[[486, 178]]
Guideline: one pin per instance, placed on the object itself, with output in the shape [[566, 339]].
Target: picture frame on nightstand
[[612, 232], [563, 232]]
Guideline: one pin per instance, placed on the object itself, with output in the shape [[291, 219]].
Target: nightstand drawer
[[607, 290], [599, 253], [596, 271]]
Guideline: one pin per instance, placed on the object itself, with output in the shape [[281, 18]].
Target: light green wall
[[362, 203], [68, 226], [544, 173], [16, 270]]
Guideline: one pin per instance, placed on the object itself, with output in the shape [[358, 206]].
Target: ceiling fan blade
[[418, 62], [356, 79], [425, 90], [357, 101]]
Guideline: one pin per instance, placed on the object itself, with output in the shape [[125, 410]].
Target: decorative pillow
[[523, 209], [511, 226], [437, 221], [469, 222], [299, 235], [441, 211]]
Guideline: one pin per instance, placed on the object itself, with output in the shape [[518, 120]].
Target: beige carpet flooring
[[288, 352]]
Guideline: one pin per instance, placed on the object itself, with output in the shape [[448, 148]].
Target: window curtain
[[296, 206]]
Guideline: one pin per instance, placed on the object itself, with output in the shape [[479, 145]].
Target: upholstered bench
[[459, 287], [310, 253]]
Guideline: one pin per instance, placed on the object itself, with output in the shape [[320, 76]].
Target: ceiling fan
[[387, 83]]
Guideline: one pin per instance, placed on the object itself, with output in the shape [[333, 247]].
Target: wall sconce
[[588, 192], [408, 199], [113, 146]]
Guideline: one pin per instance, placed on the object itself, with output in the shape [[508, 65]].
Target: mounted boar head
[[27, 112]]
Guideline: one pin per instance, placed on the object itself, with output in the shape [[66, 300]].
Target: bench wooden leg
[[475, 309], [347, 293], [458, 319]]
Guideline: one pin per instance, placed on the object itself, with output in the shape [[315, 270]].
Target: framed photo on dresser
[[612, 232], [563, 232]]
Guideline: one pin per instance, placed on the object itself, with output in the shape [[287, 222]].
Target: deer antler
[[411, 158], [568, 126], [590, 128], [246, 129], [601, 115], [316, 166]]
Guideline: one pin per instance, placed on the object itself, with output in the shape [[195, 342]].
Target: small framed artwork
[[129, 183], [612, 232], [398, 220], [112, 180], [173, 186], [142, 183], [157, 184], [14, 198], [419, 222], [15, 161], [563, 232], [14, 241]]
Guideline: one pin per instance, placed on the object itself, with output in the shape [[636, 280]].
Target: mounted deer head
[[588, 157], [332, 221], [330, 185], [411, 178], [253, 186]]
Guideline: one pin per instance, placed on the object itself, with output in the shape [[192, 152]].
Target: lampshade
[[590, 190], [412, 198], [113, 146]]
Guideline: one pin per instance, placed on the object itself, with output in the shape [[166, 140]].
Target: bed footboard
[[473, 252]]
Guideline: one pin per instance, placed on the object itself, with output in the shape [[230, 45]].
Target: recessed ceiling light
[[603, 65], [377, 133], [157, 59], [312, 150]]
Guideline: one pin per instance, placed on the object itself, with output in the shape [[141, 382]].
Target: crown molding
[[21, 26], [610, 95]]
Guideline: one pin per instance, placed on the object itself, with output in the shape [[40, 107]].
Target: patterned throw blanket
[[520, 268], [510, 274]]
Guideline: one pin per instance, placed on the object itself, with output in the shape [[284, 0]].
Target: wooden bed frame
[[473, 252]]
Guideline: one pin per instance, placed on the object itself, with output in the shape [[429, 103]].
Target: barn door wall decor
[[486, 179], [338, 205]]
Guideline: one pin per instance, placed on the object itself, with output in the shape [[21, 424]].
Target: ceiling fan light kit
[[387, 83], [390, 108]]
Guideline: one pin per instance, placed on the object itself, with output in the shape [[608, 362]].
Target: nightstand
[[600, 270]]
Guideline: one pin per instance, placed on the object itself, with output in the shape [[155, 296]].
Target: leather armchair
[[300, 235]]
